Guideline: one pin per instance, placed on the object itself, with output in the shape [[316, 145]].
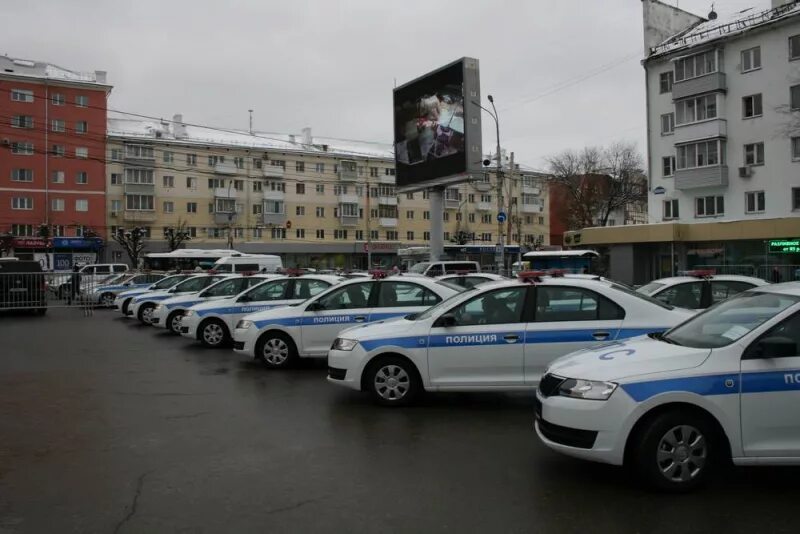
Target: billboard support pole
[[436, 196]]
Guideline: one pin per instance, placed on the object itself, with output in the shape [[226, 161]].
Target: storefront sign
[[784, 246], [379, 247], [30, 242], [77, 242], [62, 262]]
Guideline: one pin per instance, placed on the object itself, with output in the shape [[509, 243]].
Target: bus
[[185, 259], [569, 261]]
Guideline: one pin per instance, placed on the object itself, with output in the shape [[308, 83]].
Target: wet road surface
[[108, 426]]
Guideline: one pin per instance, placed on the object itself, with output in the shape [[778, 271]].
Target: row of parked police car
[[670, 378]]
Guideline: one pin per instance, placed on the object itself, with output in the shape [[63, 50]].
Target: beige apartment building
[[317, 202]]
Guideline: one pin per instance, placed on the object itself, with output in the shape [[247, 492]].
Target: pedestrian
[[198, 269], [74, 284], [776, 275]]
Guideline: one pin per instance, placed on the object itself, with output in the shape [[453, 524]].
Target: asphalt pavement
[[109, 426]]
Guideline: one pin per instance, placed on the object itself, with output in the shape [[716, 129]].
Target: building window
[[58, 125], [300, 233], [426, 236], [340, 234], [665, 81], [82, 204], [704, 154], [794, 97], [668, 166], [410, 214], [320, 188], [22, 230], [57, 99], [339, 189], [116, 206], [320, 234], [57, 177], [238, 162], [671, 209], [81, 127], [139, 176], [58, 151], [116, 154], [320, 212], [373, 172], [21, 203], [216, 183], [391, 235], [278, 233], [191, 182], [300, 189], [751, 106], [410, 236], [238, 185], [796, 148], [57, 204], [300, 211], [21, 175], [168, 181], [168, 157], [81, 101], [794, 47], [373, 235], [795, 198], [667, 123], [191, 207], [257, 209], [168, 206], [349, 210], [258, 187], [697, 65], [754, 202], [696, 109], [710, 206], [471, 217], [754, 154], [213, 160], [751, 59], [257, 163], [81, 152], [22, 121], [486, 218], [486, 236], [81, 177], [21, 95], [139, 202], [191, 160], [319, 167], [278, 163], [22, 148], [300, 166], [390, 172], [426, 215]]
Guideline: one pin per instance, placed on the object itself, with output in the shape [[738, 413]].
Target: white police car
[[278, 336], [105, 294], [142, 306], [699, 289], [123, 299], [468, 280], [212, 322], [726, 383], [169, 312], [496, 336]]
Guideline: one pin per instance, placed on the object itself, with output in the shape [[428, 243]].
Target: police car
[[496, 336], [142, 306], [212, 322], [699, 289], [104, 295], [123, 299], [169, 312], [277, 337], [468, 280], [724, 384]]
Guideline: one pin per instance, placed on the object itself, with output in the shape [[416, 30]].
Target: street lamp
[[493, 115]]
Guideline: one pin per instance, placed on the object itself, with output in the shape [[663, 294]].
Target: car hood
[[214, 302], [150, 294], [183, 298], [132, 292], [639, 356], [386, 329], [282, 312]]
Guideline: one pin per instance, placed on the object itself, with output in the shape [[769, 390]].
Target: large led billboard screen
[[437, 127]]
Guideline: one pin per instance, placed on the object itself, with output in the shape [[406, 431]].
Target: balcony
[[531, 208], [226, 192], [225, 167], [348, 199], [387, 201], [347, 171], [273, 195], [696, 131], [702, 84], [531, 190], [139, 216], [140, 155], [388, 222], [452, 199], [275, 219], [715, 176], [225, 217], [139, 189], [274, 171], [484, 206], [349, 220], [387, 179], [482, 187]]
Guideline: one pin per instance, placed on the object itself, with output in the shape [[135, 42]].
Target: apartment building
[[318, 202], [723, 103], [52, 170]]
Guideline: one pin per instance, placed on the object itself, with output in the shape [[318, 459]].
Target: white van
[[439, 268], [248, 263]]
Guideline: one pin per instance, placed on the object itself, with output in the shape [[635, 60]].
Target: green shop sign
[[784, 246]]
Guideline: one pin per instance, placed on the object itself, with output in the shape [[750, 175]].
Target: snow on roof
[[40, 69], [727, 24], [164, 130]]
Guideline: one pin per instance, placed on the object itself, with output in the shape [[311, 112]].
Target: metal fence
[[38, 291]]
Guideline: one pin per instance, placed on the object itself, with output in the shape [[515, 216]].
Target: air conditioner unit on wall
[[745, 172]]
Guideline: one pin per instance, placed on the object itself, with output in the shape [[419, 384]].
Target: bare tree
[[132, 241], [176, 235], [596, 182]]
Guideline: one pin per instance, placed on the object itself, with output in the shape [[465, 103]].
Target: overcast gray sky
[[331, 65]]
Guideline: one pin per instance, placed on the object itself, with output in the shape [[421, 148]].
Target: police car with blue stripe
[[496, 336], [104, 295], [123, 299], [279, 336], [725, 384], [212, 322], [142, 306]]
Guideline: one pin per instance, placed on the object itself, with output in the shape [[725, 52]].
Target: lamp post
[[493, 115]]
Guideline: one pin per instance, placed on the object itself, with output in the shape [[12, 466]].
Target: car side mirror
[[245, 298], [315, 306], [446, 320], [776, 347]]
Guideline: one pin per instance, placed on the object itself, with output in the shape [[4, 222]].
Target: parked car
[[699, 289], [22, 286]]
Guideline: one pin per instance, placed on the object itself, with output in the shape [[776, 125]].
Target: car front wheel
[[146, 313], [107, 300], [276, 350], [213, 334], [392, 381], [174, 322]]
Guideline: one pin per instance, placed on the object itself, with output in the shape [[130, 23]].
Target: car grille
[[549, 383], [571, 437], [337, 374]]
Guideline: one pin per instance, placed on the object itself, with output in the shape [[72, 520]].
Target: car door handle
[[511, 337], [360, 318], [600, 336]]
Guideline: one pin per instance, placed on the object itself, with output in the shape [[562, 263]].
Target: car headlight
[[158, 307], [188, 313], [243, 325], [341, 343], [586, 389]]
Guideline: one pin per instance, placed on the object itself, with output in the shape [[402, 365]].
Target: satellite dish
[[712, 15]]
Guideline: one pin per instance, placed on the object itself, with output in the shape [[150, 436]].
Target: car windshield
[[433, 310], [451, 285], [419, 268], [166, 283], [649, 289], [195, 283], [729, 320], [638, 295], [223, 267]]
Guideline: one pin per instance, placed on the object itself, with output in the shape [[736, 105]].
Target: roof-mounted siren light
[[531, 277], [556, 273], [377, 274], [293, 272], [702, 273]]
